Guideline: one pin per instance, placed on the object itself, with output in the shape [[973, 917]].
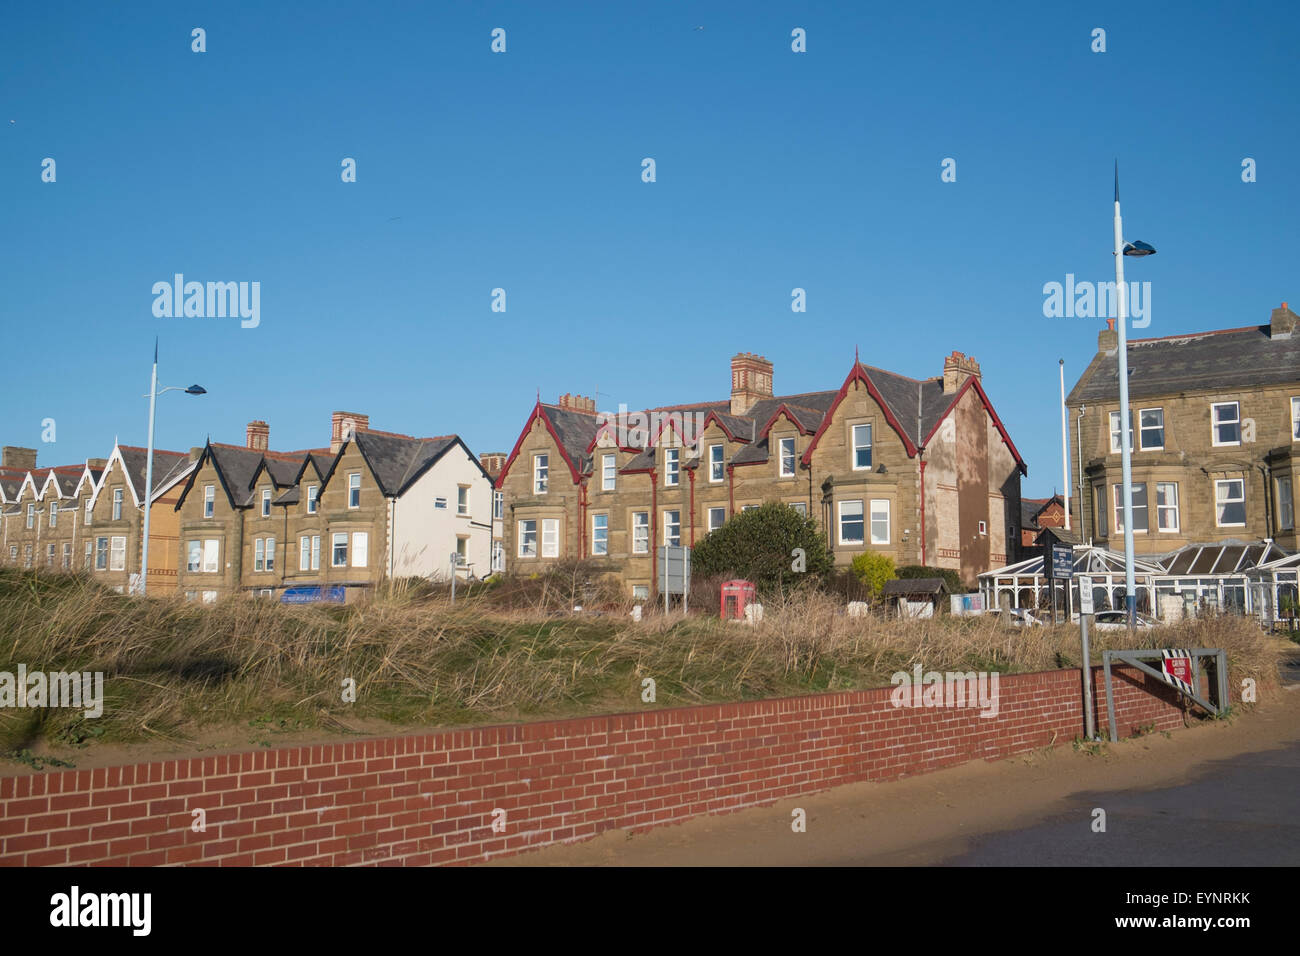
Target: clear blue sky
[[477, 170]]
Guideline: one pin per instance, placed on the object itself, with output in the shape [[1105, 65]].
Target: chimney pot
[[258, 435], [343, 424], [751, 381], [957, 367], [1282, 323]]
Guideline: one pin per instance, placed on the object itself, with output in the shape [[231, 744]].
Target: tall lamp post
[[1123, 249], [154, 392]]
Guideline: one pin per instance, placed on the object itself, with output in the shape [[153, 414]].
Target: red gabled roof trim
[[528, 425], [974, 383], [858, 373], [713, 417], [784, 409]]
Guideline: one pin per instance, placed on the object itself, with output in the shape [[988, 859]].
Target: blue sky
[[522, 171]]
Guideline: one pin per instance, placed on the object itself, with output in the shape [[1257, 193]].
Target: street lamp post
[[1123, 249], [154, 392]]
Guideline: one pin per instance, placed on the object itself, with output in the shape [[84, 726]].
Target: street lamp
[[154, 392], [1122, 249]]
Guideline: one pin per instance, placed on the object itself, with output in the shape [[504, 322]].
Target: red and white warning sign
[[1177, 668]]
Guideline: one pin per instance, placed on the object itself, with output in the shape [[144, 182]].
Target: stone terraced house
[[919, 469], [1215, 438]]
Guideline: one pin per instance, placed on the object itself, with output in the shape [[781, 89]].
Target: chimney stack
[[578, 403], [1282, 323], [342, 425], [493, 462], [956, 369], [258, 436], [1108, 339], [751, 381], [12, 457], [196, 451], [96, 464]]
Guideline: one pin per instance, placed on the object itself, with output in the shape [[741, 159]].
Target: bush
[[950, 577], [873, 570], [758, 545]]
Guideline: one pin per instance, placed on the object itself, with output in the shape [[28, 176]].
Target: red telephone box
[[735, 595]]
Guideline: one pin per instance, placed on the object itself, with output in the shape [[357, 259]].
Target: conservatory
[[1273, 588]]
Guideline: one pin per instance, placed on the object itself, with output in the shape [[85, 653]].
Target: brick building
[[1037, 514], [1215, 426], [919, 469]]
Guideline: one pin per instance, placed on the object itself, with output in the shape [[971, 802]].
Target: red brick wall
[[429, 799]]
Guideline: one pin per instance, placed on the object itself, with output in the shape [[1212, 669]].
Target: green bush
[[950, 577], [873, 570], [759, 545]]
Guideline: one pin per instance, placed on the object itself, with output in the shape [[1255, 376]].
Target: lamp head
[[1139, 249], [196, 390]]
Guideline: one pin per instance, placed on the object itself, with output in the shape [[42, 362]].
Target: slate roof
[[907, 587], [237, 466], [397, 461], [166, 464], [1198, 361]]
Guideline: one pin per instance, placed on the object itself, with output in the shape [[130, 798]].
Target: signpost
[[674, 572], [1058, 565], [1085, 612]]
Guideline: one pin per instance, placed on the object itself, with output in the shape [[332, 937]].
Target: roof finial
[[855, 355]]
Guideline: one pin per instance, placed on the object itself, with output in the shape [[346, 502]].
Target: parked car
[[1022, 617], [1118, 621]]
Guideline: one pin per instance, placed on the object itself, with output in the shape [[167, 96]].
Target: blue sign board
[[333, 594], [1060, 561]]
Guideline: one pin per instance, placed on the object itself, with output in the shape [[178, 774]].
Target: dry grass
[[176, 670]]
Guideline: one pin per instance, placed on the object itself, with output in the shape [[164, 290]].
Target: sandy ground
[[926, 819]]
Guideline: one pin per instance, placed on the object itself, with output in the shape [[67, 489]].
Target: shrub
[[873, 570], [950, 577], [758, 545]]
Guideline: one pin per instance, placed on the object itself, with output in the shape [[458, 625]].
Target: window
[[211, 553], [209, 597], [640, 532], [67, 555], [117, 504], [861, 447], [49, 554], [716, 472], [608, 472], [354, 490], [304, 553], [880, 521], [312, 492], [672, 466], [550, 537], [31, 515], [360, 548], [87, 518], [117, 558], [673, 528], [640, 592], [541, 473], [785, 449], [1139, 508], [1115, 447], [1230, 502], [462, 500], [851, 523], [744, 508], [440, 504], [209, 498], [528, 539], [270, 554], [194, 556], [801, 507], [88, 557], [1152, 424], [1226, 417], [983, 528], [1099, 510], [101, 554], [498, 556], [27, 556], [259, 556], [498, 504], [462, 549], [1295, 419], [717, 518], [600, 534], [266, 502], [1285, 505], [315, 552], [339, 559], [54, 514], [13, 553], [1166, 506]]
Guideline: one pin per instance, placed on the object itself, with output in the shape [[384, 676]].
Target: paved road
[[1238, 812]]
